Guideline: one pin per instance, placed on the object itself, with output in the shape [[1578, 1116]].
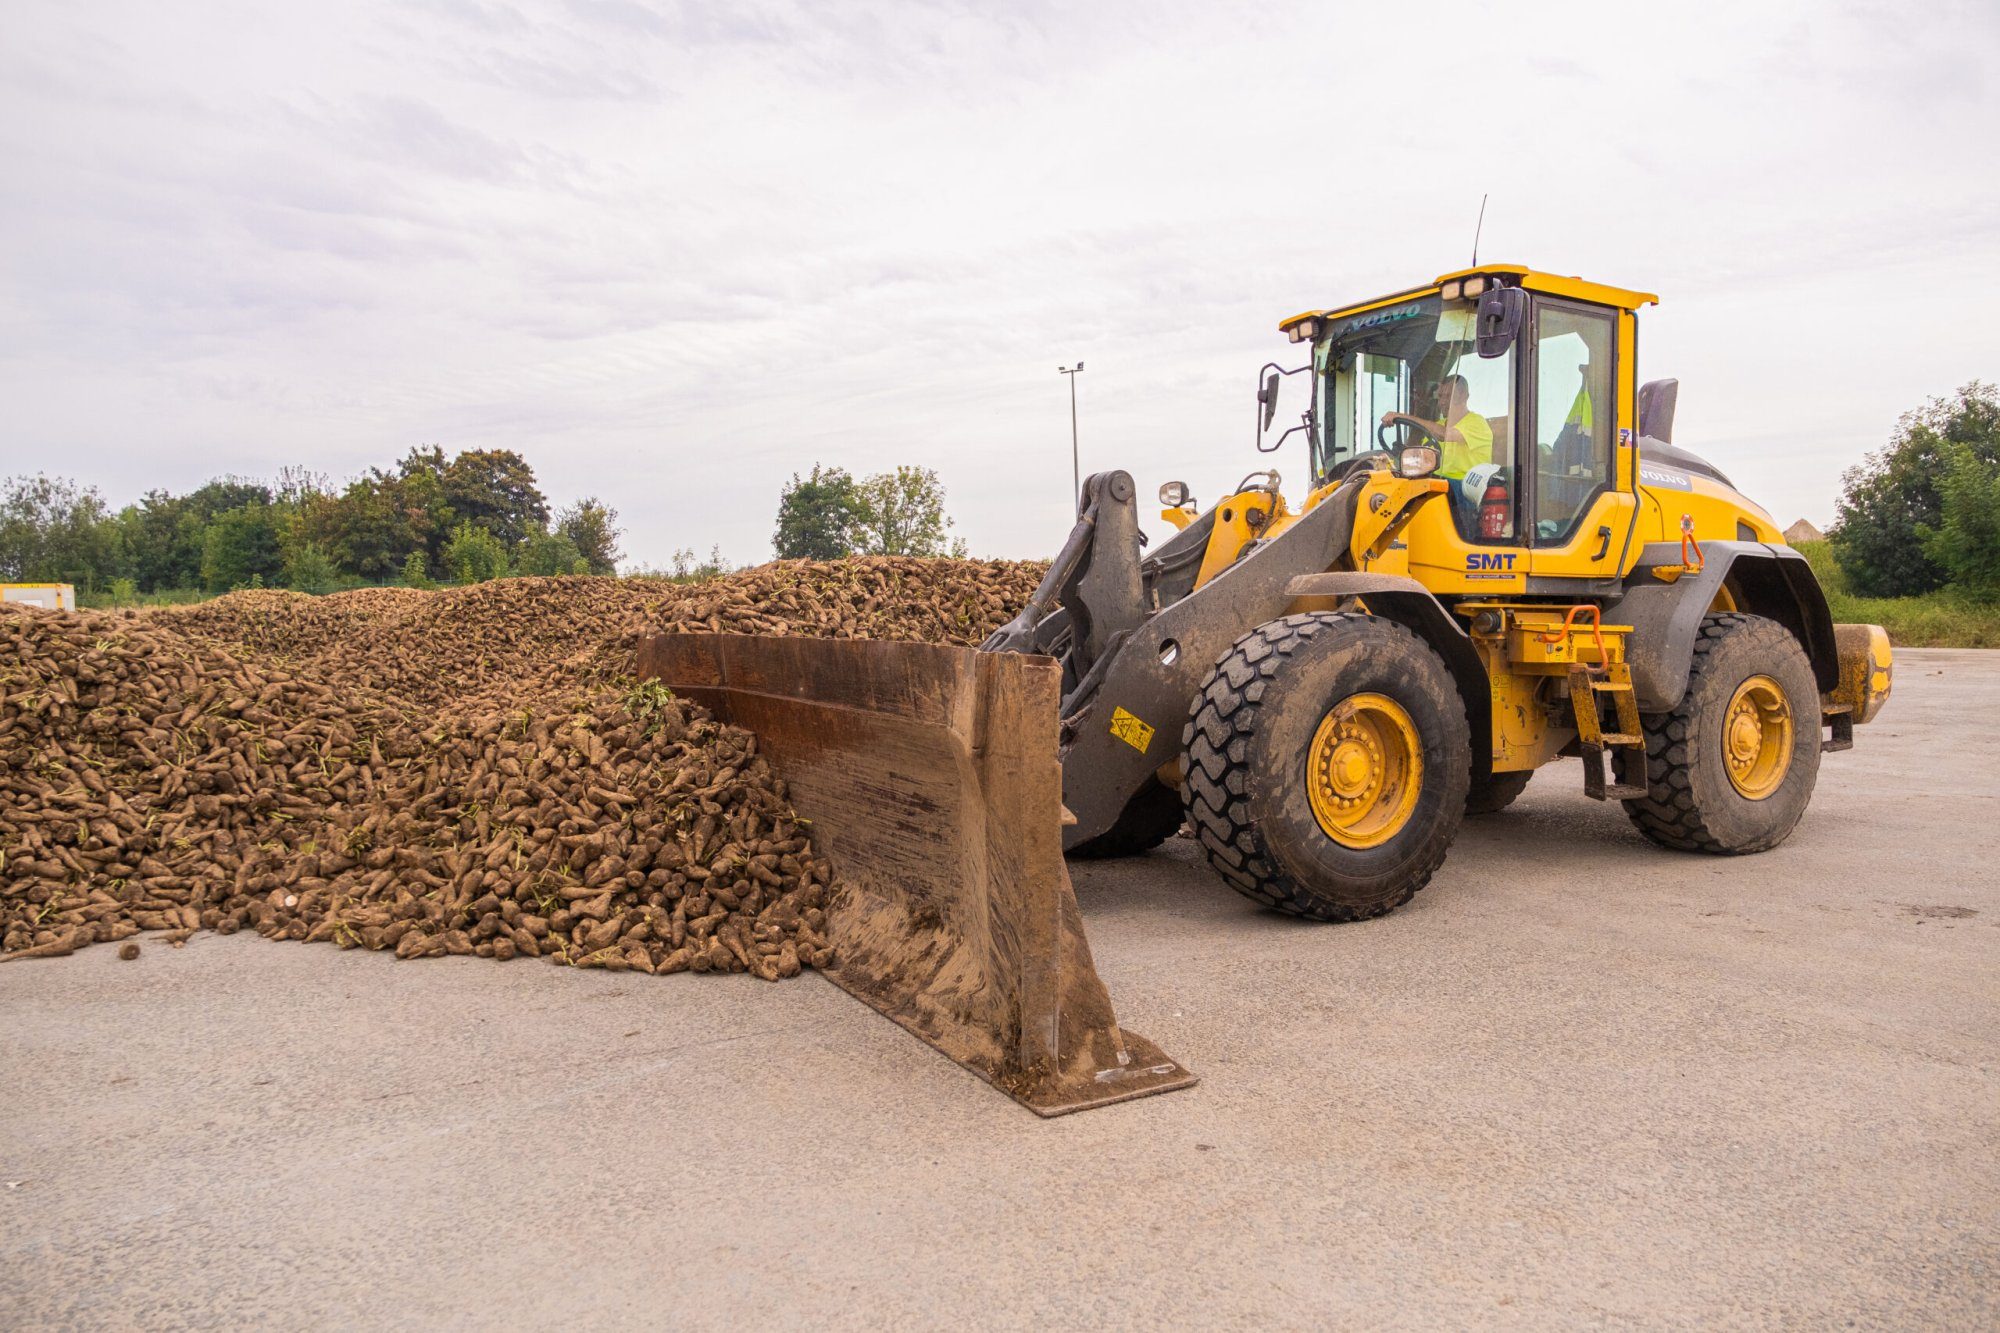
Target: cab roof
[[1576, 289]]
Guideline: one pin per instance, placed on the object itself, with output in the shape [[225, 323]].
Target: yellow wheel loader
[[1500, 559]]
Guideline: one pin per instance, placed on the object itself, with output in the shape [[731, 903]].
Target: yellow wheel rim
[[1364, 769], [1757, 738]]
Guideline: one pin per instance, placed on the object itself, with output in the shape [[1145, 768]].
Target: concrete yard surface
[[1580, 1081]]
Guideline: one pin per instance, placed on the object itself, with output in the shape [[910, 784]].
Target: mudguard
[[1774, 581]]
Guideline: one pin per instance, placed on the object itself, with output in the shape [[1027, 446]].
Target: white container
[[49, 596]]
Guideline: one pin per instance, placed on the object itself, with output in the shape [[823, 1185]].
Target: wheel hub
[[1364, 769], [1757, 738], [1353, 766]]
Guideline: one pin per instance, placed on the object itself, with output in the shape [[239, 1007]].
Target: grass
[[112, 599], [1943, 619]]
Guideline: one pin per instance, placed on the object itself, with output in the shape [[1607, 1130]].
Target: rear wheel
[[1327, 764], [1496, 791], [1730, 770], [1149, 819]]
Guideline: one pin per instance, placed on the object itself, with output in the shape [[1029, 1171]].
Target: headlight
[[1417, 460], [1174, 494]]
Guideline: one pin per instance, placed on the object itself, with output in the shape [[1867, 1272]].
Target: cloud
[[676, 252]]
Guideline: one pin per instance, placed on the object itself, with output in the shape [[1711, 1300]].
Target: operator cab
[[1523, 420]]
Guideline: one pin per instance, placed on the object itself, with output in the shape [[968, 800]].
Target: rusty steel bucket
[[930, 778]]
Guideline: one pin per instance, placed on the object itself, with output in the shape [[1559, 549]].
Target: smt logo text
[[1479, 560]]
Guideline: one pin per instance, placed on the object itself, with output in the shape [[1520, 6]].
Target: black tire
[[1247, 742], [1691, 804], [1152, 816], [1496, 791]]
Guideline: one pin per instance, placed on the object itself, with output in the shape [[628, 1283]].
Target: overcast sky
[[675, 252]]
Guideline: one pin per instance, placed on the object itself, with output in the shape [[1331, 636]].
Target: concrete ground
[[1580, 1081]]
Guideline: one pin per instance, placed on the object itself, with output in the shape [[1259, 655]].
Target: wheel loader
[[1500, 558]]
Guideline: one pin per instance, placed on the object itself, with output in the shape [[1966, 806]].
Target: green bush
[[474, 555], [1897, 495], [549, 553], [1947, 618], [415, 573], [1966, 541], [242, 549], [309, 569]]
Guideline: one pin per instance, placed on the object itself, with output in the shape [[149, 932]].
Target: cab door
[[1579, 502]]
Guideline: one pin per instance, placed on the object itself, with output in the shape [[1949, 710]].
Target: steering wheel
[[1403, 423], [1359, 463]]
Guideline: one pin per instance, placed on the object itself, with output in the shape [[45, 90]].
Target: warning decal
[[1131, 730]]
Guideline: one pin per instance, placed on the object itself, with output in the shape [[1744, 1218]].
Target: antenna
[[1477, 228]]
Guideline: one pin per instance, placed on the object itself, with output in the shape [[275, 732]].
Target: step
[[1621, 738]]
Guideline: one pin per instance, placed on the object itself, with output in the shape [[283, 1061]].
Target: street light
[[1075, 472]]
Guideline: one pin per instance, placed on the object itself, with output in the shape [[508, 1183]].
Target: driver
[[1464, 438]]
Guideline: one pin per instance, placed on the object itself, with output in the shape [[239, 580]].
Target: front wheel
[[1731, 768], [1496, 791], [1151, 817], [1327, 763]]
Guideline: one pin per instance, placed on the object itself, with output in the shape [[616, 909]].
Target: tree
[[688, 567], [495, 489], [165, 536], [367, 529], [474, 555], [1966, 541], [162, 542], [902, 513], [550, 553], [307, 569], [818, 515], [241, 549], [297, 485], [54, 531], [593, 527], [415, 575], [1898, 493]]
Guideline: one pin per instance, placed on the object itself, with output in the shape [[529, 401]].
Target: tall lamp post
[[1075, 472]]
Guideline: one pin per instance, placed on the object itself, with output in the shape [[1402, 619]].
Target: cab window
[[1417, 360], [1573, 417]]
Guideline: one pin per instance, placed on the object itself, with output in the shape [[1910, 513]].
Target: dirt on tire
[[1245, 783], [1690, 804]]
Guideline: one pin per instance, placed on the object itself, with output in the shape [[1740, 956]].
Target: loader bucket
[[930, 778]]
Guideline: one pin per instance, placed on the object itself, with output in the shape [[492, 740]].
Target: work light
[[1417, 460]]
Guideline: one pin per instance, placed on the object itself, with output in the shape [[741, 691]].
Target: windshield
[[1414, 358]]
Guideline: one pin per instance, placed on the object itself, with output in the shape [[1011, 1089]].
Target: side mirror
[[1268, 396], [1174, 494], [1502, 312]]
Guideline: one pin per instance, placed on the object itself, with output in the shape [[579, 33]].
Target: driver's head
[[1453, 394]]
